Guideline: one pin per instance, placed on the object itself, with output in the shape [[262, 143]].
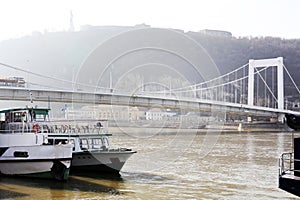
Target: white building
[[106, 112], [157, 114]]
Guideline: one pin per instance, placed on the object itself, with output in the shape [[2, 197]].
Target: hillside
[[61, 54]]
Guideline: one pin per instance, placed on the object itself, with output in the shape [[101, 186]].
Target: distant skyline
[[276, 18]]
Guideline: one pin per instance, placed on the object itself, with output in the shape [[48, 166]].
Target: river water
[[182, 165]]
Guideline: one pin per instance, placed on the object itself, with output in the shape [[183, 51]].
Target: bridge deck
[[68, 96]]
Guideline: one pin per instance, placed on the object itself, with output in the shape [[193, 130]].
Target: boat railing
[[19, 127], [78, 126], [64, 126], [287, 164]]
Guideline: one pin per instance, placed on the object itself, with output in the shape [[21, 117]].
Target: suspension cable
[[267, 86], [49, 77], [291, 79], [211, 87], [208, 81]]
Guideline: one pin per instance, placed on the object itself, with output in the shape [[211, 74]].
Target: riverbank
[[211, 129]]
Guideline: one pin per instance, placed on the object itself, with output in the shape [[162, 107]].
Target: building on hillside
[[12, 81], [219, 33]]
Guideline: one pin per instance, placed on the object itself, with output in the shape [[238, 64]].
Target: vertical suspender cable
[[273, 86], [265, 88], [257, 86]]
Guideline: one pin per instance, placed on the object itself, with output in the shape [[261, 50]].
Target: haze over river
[[175, 166]]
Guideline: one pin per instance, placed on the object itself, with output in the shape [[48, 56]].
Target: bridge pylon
[[272, 62]]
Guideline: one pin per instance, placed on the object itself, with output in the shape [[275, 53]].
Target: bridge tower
[[273, 62]]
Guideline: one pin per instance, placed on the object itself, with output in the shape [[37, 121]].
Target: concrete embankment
[[208, 129]]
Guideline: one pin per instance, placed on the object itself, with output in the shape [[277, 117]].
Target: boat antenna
[[48, 102], [30, 96]]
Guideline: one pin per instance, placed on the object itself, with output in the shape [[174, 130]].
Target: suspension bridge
[[254, 89]]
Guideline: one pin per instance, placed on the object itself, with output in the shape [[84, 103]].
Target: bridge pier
[[240, 128], [249, 119], [281, 118]]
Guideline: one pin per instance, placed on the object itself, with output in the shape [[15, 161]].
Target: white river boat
[[91, 150], [27, 152]]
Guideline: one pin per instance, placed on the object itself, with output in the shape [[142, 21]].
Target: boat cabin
[[36, 120], [22, 119], [82, 142], [85, 135]]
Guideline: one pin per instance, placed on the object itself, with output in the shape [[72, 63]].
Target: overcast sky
[[279, 18]]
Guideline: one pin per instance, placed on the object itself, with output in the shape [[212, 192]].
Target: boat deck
[[291, 176]]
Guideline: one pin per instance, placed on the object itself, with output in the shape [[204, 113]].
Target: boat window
[[23, 154], [105, 142], [61, 141], [2, 117], [97, 143], [50, 141], [73, 143], [17, 116], [83, 144], [40, 118]]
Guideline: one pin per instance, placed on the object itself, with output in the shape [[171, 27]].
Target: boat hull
[[101, 161], [56, 169], [290, 184], [293, 121], [46, 161]]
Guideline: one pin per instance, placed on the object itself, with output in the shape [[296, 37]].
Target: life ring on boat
[[35, 127]]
